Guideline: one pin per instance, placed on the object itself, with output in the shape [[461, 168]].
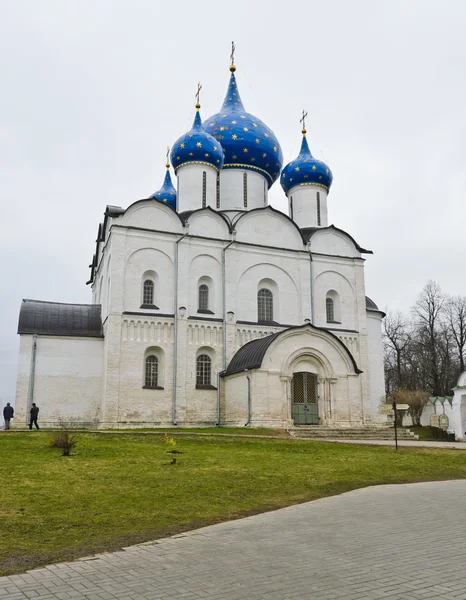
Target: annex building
[[211, 307]]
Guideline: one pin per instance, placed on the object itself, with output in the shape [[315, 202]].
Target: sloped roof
[[58, 318], [370, 304], [251, 355]]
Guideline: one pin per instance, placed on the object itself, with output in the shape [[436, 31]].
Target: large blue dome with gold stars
[[306, 170], [197, 146], [247, 142], [167, 193]]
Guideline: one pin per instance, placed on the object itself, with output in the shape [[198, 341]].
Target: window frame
[[265, 306], [204, 372], [149, 384], [330, 310]]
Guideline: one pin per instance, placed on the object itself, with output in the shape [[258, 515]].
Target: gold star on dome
[[223, 115], [222, 128], [206, 155], [211, 124], [218, 160], [306, 176], [245, 129], [283, 175], [178, 158], [199, 145], [314, 168], [234, 157], [234, 93], [258, 141], [264, 155], [253, 159], [242, 116], [326, 170], [291, 178], [190, 135], [320, 176], [234, 122], [255, 124], [182, 145], [165, 201], [191, 154], [266, 134], [267, 165], [172, 193], [234, 136], [245, 150], [275, 148], [215, 148], [230, 98], [297, 169]]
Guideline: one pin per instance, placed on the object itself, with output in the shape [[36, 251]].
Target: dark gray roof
[[250, 355], [370, 304], [308, 232], [57, 318]]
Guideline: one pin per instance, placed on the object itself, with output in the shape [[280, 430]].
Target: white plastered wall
[[232, 196], [67, 382], [190, 186], [305, 211]]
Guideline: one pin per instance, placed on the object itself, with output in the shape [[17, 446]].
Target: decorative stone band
[[309, 183], [241, 166], [196, 162]]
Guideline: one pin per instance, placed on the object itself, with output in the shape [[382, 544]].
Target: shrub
[[416, 399], [64, 437]]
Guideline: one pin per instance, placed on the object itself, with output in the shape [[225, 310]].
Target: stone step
[[368, 433]]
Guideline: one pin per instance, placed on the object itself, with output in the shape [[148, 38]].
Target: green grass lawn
[[121, 489]]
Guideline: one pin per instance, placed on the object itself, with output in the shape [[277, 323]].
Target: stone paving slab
[[407, 443], [394, 542]]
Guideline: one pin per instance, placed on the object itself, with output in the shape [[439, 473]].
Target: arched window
[[318, 209], [203, 297], [152, 371], [218, 190], [245, 190], [203, 370], [264, 305], [204, 189], [148, 292], [330, 310]]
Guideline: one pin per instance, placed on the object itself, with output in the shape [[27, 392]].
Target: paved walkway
[[408, 443], [400, 542]]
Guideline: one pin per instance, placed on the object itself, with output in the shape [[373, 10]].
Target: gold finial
[[303, 121], [232, 57], [167, 163], [199, 88]]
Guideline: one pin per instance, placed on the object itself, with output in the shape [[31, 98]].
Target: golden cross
[[303, 119], [168, 153], [232, 55], [199, 88]]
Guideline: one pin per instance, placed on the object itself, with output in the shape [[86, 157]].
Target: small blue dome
[[197, 146], [167, 193], [306, 170], [247, 142]]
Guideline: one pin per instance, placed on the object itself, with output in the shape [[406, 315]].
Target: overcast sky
[[92, 92]]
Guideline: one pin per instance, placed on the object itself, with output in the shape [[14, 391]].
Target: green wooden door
[[304, 405]]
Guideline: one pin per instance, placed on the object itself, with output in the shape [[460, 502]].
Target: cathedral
[[210, 307]]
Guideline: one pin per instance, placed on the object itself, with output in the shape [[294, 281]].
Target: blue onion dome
[[167, 193], [306, 170], [197, 146], [247, 142]]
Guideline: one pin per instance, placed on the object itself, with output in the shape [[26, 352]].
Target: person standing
[[8, 413], [34, 412]]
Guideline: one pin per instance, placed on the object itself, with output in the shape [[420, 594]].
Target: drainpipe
[[32, 375], [224, 325], [311, 283], [249, 397], [175, 344]]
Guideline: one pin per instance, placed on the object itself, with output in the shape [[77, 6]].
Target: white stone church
[[210, 307]]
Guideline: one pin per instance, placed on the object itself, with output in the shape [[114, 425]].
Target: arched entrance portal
[[304, 399]]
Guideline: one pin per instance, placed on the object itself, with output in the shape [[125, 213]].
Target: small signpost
[[443, 422], [388, 409], [434, 421]]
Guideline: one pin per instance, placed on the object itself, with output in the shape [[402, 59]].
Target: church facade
[[209, 307]]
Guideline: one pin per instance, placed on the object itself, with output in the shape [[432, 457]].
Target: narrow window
[[204, 189], [148, 292], [218, 190], [245, 190], [291, 207], [203, 297], [152, 371], [265, 306], [330, 310], [265, 193], [203, 370], [318, 208]]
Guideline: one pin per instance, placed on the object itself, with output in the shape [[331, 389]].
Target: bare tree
[[396, 340], [429, 310], [456, 317]]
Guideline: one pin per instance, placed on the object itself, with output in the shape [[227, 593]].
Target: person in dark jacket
[[8, 413], [34, 412]]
